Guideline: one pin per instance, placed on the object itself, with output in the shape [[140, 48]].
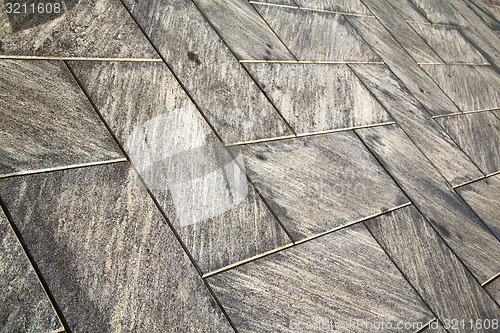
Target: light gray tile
[[490, 14], [318, 183], [213, 77], [317, 36], [482, 197], [341, 6], [466, 86], [462, 230], [106, 253], [429, 137], [24, 307], [200, 187], [46, 121], [479, 136], [340, 277], [334, 99], [244, 30], [408, 10], [494, 289], [83, 28], [440, 12], [449, 43], [432, 268], [276, 2]]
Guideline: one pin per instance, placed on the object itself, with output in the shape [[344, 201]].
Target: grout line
[[79, 58], [310, 62], [468, 182], [424, 327], [465, 112], [273, 4], [311, 9], [493, 174], [494, 277], [454, 63], [441, 25], [67, 167]]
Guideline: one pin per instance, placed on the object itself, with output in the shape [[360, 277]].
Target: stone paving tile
[[494, 289], [339, 277], [427, 262], [341, 6], [482, 197], [439, 12], [313, 183], [277, 2], [462, 230], [24, 306], [490, 14], [106, 253], [199, 186], [46, 121], [244, 31], [478, 134], [83, 28], [408, 10], [213, 77], [317, 36], [335, 99]]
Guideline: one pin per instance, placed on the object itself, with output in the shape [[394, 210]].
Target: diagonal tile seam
[[311, 9], [311, 62], [466, 112], [19, 57], [35, 268], [155, 201], [486, 283], [454, 63], [485, 11], [490, 280], [441, 25]]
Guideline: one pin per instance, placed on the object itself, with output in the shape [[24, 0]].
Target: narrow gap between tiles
[[311, 9], [466, 112], [494, 277], [441, 25], [311, 62], [453, 63], [15, 57]]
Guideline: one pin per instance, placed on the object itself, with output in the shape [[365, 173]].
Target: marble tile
[[479, 136], [334, 99], [319, 183], [466, 85], [482, 197], [244, 30], [106, 253], [449, 43], [24, 307], [317, 36], [430, 138], [220, 86], [199, 186], [341, 6], [440, 12], [494, 289], [340, 277], [462, 230], [83, 28], [46, 121], [431, 267]]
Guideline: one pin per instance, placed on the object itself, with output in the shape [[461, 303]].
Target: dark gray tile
[[341, 6], [429, 137], [336, 278], [432, 268], [244, 31], [319, 183], [494, 289], [478, 134], [46, 120], [334, 99], [317, 36], [200, 187], [462, 230], [213, 77], [85, 28], [24, 307], [482, 197], [106, 253]]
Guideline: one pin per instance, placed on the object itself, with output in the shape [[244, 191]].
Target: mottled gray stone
[[46, 120], [439, 12], [106, 253], [339, 277], [200, 187], [84, 28], [341, 6], [334, 99], [462, 230], [408, 10], [319, 183], [24, 307], [317, 36], [494, 289], [220, 86], [489, 13], [276, 2], [431, 267]]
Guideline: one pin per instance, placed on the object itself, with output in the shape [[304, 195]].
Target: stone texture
[[494, 289], [341, 6]]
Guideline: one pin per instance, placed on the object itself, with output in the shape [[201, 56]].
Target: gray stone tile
[[482, 197], [319, 183], [466, 86], [317, 36], [449, 44], [213, 77], [46, 121], [334, 99], [341, 6], [107, 254], [85, 28], [244, 31], [462, 230], [479, 136], [276, 2], [431, 267], [200, 187], [440, 12], [490, 14], [429, 137], [408, 10], [24, 307], [494, 289], [341, 277]]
